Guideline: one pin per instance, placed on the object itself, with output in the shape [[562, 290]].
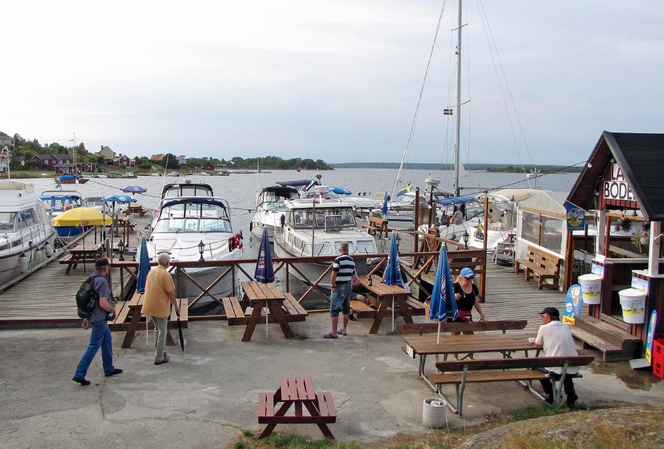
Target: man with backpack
[[101, 335]]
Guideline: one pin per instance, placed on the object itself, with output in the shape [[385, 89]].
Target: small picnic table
[[260, 296], [135, 209], [455, 344], [296, 391], [81, 254], [385, 294]]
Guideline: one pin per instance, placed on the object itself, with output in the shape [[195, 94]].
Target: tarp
[[455, 200]]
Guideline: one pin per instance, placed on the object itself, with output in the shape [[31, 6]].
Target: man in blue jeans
[[101, 335], [343, 272]]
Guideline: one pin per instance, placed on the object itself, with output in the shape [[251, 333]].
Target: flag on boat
[[406, 189], [447, 111], [479, 232]]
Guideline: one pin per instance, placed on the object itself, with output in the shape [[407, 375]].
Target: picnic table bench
[[296, 391], [81, 254], [236, 315], [128, 318], [377, 226], [432, 326], [459, 373], [542, 265], [136, 209]]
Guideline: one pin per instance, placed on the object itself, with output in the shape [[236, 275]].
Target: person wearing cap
[[467, 296], [100, 337], [157, 300], [556, 339]]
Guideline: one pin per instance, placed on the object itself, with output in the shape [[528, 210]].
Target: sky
[[333, 80]]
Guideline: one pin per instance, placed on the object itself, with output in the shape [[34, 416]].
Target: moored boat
[[270, 208], [58, 201], [316, 227], [26, 231], [195, 228]]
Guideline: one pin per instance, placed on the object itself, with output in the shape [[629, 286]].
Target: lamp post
[[201, 248], [121, 247], [465, 239]]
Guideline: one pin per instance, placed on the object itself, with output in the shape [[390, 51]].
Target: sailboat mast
[[458, 108]]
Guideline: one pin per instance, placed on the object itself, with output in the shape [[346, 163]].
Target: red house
[[208, 166]]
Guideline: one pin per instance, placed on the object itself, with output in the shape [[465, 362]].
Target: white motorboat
[[193, 229], [26, 231], [316, 227], [270, 208], [181, 189]]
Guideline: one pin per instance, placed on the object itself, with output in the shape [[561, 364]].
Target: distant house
[[6, 140], [106, 153], [181, 160], [122, 160], [208, 166], [52, 160], [158, 157]]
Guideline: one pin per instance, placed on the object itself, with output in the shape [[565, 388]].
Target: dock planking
[[47, 297]]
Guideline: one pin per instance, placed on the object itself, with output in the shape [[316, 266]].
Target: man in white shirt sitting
[[556, 339]]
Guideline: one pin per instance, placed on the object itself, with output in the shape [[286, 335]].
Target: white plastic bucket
[[633, 303], [434, 412], [591, 287]]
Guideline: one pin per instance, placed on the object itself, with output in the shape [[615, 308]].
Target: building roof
[[639, 157], [158, 157]]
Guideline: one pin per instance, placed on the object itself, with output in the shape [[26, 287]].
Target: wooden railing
[[422, 270]]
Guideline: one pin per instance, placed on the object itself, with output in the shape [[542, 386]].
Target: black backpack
[[86, 298]]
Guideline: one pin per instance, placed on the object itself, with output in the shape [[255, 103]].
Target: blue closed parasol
[[392, 274], [143, 266], [443, 302], [383, 209], [264, 270]]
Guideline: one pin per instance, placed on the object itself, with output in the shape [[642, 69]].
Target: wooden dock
[[46, 298]]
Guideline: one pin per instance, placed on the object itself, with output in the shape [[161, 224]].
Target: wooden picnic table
[[298, 391], [264, 295], [134, 307], [81, 254], [135, 209], [385, 294], [506, 344], [127, 227]]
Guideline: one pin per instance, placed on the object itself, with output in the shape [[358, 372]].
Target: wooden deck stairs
[[614, 342]]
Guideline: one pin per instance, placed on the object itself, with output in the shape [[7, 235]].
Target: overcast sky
[[336, 80]]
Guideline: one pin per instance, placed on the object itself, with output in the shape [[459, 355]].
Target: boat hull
[[185, 288]]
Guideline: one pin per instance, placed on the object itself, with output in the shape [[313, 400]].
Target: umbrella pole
[[392, 313], [266, 312], [438, 338]]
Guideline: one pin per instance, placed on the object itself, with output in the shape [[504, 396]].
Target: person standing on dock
[[159, 295], [556, 339], [343, 272], [100, 336]]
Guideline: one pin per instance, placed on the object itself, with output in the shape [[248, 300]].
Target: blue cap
[[467, 273]]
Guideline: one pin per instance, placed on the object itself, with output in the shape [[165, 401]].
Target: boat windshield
[[13, 221], [273, 200], [193, 217], [186, 190], [303, 218]]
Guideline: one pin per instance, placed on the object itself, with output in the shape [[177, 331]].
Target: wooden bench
[[377, 226], [133, 307], [296, 391], [459, 373], [362, 310], [235, 310], [542, 265], [432, 326]]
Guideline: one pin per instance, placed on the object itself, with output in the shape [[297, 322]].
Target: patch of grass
[[394, 332], [300, 337], [538, 412], [247, 433]]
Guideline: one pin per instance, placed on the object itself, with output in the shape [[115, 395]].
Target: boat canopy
[[174, 190], [455, 200], [309, 183]]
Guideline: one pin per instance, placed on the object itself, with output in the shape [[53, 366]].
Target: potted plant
[[624, 224], [640, 238]]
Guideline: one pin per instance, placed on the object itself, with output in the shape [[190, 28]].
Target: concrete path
[[207, 396]]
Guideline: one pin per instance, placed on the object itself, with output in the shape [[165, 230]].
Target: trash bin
[[434, 412]]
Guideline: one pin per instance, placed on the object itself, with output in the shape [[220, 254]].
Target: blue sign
[[576, 217], [573, 303]]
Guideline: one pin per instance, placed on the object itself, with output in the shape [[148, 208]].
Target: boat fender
[[23, 263], [283, 220], [251, 226], [238, 240], [48, 249]]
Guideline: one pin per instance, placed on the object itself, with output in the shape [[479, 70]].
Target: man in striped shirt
[[343, 272]]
